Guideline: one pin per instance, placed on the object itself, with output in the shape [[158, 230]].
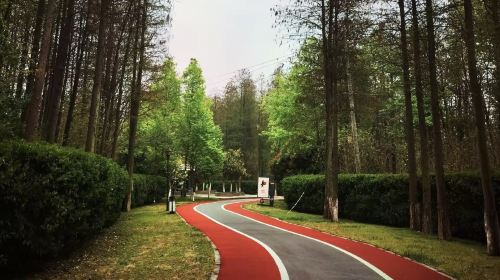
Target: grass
[[461, 259], [143, 244]]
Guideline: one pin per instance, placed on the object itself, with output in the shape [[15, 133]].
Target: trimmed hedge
[[51, 198], [383, 199], [148, 189]]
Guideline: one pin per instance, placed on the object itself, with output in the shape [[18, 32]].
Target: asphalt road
[[296, 256]]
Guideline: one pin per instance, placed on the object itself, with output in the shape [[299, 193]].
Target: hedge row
[[51, 198], [383, 199]]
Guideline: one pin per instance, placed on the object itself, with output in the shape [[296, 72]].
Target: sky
[[225, 36]]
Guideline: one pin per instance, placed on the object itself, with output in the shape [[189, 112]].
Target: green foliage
[[148, 189], [383, 199], [237, 113], [51, 198], [10, 124], [234, 167], [177, 126], [200, 139], [294, 105], [159, 123]]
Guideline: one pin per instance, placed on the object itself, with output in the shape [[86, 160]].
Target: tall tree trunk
[[354, 125], [444, 230], [76, 79], [118, 107], [33, 109], [135, 99], [44, 115], [410, 134], [491, 225], [96, 88], [106, 87], [331, 180], [422, 127], [37, 35], [112, 85], [59, 72]]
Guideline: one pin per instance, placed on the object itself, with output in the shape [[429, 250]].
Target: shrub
[[383, 199], [51, 198], [148, 189]]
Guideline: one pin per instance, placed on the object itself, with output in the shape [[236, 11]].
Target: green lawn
[[459, 258], [144, 244]]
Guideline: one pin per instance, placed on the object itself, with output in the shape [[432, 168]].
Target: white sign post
[[263, 187]]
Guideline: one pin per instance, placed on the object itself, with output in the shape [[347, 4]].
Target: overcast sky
[[226, 35]]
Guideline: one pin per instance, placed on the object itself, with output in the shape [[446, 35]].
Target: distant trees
[[237, 113], [234, 166]]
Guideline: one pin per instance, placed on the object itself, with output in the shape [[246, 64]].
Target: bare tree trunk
[[135, 98], [76, 79], [410, 134], [120, 95], [96, 89], [444, 231], [33, 109], [354, 125], [35, 47], [422, 127], [331, 200], [56, 92], [491, 225], [106, 87], [112, 85]]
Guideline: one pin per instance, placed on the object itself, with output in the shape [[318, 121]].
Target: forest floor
[[459, 258], [143, 244]]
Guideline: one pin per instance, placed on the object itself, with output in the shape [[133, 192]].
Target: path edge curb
[[217, 261], [216, 270]]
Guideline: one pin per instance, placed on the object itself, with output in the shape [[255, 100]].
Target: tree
[[410, 134], [234, 166], [56, 90], [199, 137], [444, 231], [422, 126], [491, 226], [33, 110], [135, 97], [99, 65]]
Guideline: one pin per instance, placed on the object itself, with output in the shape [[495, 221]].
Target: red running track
[[393, 265], [240, 256]]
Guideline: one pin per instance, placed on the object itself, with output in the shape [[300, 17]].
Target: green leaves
[[179, 124], [52, 197]]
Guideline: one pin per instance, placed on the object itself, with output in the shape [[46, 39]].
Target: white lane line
[[369, 265], [276, 258]]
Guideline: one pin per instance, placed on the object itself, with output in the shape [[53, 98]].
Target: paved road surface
[[297, 257]]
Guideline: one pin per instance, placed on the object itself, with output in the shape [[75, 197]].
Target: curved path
[[254, 246]]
